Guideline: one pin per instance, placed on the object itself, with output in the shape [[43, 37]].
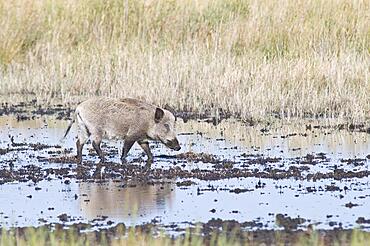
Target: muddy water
[[235, 172]]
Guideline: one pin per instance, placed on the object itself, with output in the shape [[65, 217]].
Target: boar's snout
[[173, 144]]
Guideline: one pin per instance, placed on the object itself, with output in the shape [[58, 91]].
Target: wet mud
[[261, 180], [221, 169], [32, 109], [62, 111]]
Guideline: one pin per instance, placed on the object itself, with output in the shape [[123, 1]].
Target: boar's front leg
[[145, 146], [96, 145], [126, 148]]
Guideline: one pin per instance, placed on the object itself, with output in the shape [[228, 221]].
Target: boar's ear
[[169, 108], [159, 113]]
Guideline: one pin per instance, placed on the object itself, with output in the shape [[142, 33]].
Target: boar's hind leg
[[83, 134], [145, 146], [81, 140], [96, 145], [126, 148], [79, 146]]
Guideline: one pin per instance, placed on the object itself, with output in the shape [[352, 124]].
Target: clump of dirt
[[338, 174], [332, 188], [258, 159], [208, 116], [185, 183], [287, 222], [63, 217], [346, 126], [39, 146], [239, 190], [23, 174], [356, 161], [59, 159], [362, 220], [313, 159], [198, 157], [19, 108], [351, 205], [4, 151]]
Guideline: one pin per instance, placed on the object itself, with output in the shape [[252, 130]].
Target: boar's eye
[[167, 126]]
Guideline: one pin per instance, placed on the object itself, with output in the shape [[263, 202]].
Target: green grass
[[130, 236], [249, 57]]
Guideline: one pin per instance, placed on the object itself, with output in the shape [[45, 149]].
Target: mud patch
[[252, 178]]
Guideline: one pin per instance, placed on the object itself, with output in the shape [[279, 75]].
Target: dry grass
[[251, 57]]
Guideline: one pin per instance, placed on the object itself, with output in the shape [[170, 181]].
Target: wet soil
[[31, 109], [297, 168], [320, 172], [62, 111]]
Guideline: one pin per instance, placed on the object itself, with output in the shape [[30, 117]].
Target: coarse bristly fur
[[128, 119]]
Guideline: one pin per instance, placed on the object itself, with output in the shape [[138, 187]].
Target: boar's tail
[[69, 126]]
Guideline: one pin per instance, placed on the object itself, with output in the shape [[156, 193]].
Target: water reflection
[[285, 139], [124, 203]]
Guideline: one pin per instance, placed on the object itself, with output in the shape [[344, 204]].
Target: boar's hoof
[[148, 164], [149, 161], [147, 167]]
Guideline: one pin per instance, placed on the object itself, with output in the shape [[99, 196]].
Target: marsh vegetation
[[120, 235], [248, 57]]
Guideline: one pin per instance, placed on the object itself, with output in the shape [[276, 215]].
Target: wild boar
[[127, 119]]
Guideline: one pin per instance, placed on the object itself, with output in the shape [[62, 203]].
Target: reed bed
[[252, 58]]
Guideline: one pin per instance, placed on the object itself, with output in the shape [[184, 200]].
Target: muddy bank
[[32, 108]]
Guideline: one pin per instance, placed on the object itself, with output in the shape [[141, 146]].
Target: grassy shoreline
[[250, 58], [120, 235]]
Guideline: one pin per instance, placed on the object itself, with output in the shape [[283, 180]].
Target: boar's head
[[164, 129]]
